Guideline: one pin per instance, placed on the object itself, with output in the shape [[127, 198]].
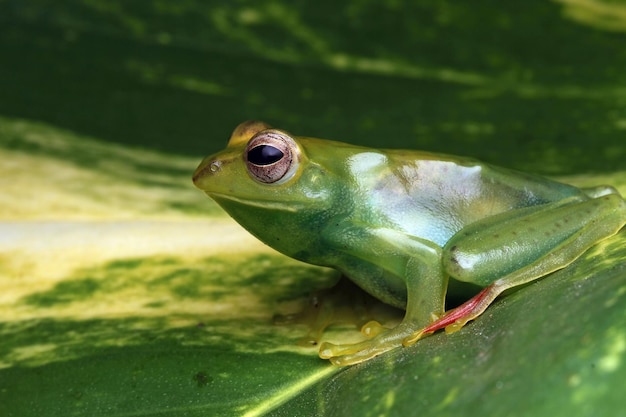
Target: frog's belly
[[381, 284]]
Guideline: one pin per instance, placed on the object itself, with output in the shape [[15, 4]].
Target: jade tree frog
[[400, 223]]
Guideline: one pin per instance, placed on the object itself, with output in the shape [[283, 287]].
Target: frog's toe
[[456, 326], [353, 359], [330, 350], [372, 328], [410, 340], [344, 355]]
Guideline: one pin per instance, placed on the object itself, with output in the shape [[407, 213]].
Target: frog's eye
[[271, 157]]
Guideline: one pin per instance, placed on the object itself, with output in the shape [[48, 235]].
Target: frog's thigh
[[516, 250]]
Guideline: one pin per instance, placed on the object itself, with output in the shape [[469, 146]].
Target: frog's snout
[[206, 169]]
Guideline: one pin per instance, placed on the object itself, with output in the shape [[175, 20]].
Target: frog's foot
[[351, 354], [456, 318]]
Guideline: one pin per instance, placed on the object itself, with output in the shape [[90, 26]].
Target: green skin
[[400, 223]]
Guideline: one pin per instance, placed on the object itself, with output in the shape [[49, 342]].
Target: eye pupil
[[264, 155]]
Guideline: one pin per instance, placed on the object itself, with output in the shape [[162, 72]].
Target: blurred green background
[[538, 85]]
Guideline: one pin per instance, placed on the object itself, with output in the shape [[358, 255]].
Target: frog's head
[[281, 188]]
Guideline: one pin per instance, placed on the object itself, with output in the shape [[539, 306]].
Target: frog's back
[[436, 196]]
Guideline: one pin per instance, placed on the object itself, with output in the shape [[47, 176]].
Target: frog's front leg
[[514, 250], [418, 262]]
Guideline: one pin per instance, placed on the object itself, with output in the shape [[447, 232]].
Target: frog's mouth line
[[291, 207]]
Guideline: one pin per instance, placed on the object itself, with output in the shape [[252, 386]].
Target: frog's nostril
[[215, 166], [205, 170]]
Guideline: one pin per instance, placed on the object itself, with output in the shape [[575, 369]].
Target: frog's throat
[[291, 206]]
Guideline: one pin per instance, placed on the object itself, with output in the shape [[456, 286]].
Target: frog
[[402, 224]]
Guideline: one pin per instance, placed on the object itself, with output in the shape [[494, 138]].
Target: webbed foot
[[350, 354]]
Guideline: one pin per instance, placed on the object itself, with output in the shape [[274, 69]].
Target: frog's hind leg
[[594, 220]]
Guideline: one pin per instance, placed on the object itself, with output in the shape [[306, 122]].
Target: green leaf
[[124, 291], [173, 315]]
